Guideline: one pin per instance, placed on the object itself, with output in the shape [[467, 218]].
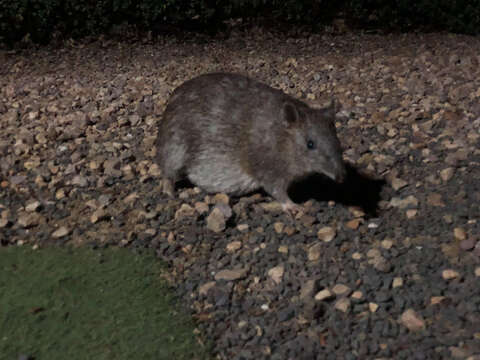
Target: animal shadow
[[356, 190]]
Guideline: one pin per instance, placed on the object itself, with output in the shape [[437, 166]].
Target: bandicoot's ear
[[290, 114], [330, 111]]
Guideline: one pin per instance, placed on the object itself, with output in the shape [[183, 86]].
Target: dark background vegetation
[[40, 21]]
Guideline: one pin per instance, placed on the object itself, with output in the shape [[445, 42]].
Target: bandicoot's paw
[[292, 208], [168, 187]]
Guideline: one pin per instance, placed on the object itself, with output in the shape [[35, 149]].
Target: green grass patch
[[64, 303]]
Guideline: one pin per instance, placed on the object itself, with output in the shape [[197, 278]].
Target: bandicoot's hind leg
[[171, 157]]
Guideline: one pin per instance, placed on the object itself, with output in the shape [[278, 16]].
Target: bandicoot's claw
[[292, 208], [168, 187]]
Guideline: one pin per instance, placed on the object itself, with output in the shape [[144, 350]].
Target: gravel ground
[[385, 266]]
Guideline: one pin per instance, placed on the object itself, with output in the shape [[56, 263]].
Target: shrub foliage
[[39, 20]]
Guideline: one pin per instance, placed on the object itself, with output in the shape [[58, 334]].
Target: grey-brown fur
[[228, 133]]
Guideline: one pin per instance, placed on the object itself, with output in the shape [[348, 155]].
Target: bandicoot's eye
[[310, 145]]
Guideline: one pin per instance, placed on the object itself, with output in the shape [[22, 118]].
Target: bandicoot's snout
[[340, 173], [337, 173]]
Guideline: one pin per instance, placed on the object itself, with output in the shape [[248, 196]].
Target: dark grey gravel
[[409, 210]]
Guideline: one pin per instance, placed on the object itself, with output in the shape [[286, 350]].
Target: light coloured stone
[[131, 198], [242, 227], [216, 220], [411, 213], [278, 227], [32, 206], [373, 253], [341, 289], [315, 251], [234, 246], [221, 198], [450, 274], [324, 294], [343, 305], [436, 300], [357, 295], [203, 289], [447, 174], [357, 256], [27, 220], [397, 282], [409, 201], [387, 244], [276, 273], [459, 233], [326, 233], [411, 320], [398, 184], [201, 207], [80, 180], [185, 211], [97, 215], [354, 223], [356, 211], [230, 275], [60, 232]]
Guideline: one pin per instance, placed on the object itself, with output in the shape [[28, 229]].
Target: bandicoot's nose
[[340, 173]]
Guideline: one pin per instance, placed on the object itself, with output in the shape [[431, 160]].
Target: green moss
[[61, 303]]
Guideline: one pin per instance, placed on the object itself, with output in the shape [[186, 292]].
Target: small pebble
[[411, 213], [341, 289], [33, 206], [373, 253], [446, 174], [185, 211], [387, 244], [357, 256], [203, 289], [398, 184], [216, 221], [324, 294], [283, 249], [357, 295], [436, 300], [343, 305], [315, 251], [356, 211], [221, 198], [230, 275], [201, 207], [276, 273], [397, 282], [326, 234], [411, 320], [278, 227], [233, 246], [242, 227], [354, 223], [60, 232], [381, 264], [449, 274], [97, 215], [459, 233]]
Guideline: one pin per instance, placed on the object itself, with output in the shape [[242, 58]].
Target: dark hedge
[[39, 20]]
